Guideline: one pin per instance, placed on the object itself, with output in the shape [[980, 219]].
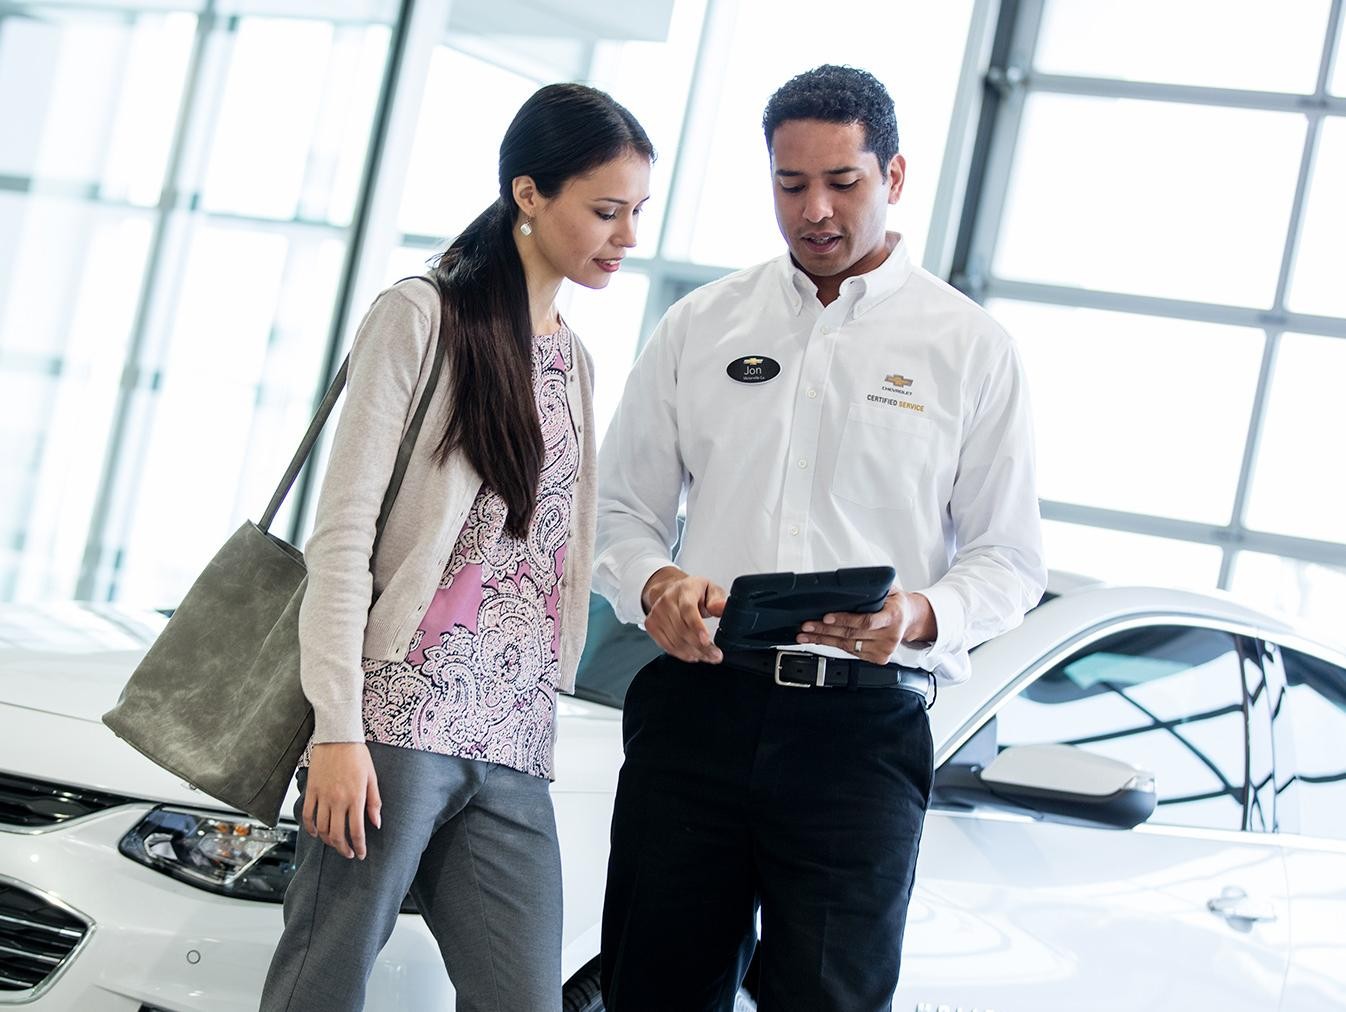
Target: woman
[[433, 661]]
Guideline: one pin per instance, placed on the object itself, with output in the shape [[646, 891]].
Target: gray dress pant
[[475, 845]]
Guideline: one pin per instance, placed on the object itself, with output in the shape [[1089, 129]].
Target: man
[[835, 407]]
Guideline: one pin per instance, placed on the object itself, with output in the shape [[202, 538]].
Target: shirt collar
[[864, 291], [799, 287]]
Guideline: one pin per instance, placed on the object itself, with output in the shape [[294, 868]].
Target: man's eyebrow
[[828, 172]]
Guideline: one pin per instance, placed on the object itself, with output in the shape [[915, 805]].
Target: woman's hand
[[340, 791]]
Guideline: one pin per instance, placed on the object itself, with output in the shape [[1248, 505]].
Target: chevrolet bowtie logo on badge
[[753, 369], [897, 380]]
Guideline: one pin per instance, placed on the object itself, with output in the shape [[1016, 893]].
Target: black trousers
[[738, 795]]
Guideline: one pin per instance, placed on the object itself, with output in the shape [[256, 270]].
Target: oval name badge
[[753, 369]]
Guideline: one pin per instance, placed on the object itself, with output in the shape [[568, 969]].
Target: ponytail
[[562, 131], [485, 316]]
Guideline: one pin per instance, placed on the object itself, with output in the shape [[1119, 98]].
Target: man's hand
[[675, 606], [905, 618], [340, 791]]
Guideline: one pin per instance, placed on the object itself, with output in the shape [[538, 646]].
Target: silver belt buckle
[[821, 677]]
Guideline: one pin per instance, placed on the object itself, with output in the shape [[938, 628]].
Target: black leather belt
[[804, 670]]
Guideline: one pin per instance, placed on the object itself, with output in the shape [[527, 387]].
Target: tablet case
[[766, 609]]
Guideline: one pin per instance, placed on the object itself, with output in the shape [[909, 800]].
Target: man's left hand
[[904, 618]]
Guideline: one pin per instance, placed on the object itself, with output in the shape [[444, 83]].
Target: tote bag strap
[[320, 419]]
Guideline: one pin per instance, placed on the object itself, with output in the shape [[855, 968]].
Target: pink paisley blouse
[[479, 680]]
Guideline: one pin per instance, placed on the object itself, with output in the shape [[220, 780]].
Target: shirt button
[[803, 462], [812, 393], [794, 530]]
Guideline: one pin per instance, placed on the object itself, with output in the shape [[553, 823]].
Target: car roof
[[1102, 599], [1076, 610]]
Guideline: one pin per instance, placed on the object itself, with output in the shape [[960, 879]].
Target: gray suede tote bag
[[216, 699]]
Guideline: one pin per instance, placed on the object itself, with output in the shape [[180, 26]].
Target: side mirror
[[1057, 782]]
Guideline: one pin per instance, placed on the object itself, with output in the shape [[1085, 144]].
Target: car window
[[613, 653], [1313, 788], [1166, 699]]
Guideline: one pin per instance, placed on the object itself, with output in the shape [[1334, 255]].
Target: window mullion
[[96, 581], [1004, 95]]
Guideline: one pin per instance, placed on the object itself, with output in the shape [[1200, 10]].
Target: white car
[[1140, 804]]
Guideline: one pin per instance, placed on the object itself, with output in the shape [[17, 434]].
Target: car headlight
[[227, 854]]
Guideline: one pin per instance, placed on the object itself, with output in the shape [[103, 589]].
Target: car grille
[[28, 803], [36, 938]]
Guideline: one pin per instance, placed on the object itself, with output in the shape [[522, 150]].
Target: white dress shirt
[[897, 432]]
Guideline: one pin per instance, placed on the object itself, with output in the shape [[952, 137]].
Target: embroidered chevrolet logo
[[752, 361], [897, 380]]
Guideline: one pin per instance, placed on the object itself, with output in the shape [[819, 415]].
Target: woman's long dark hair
[[562, 131]]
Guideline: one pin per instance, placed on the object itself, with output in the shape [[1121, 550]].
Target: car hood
[[71, 659], [63, 666]]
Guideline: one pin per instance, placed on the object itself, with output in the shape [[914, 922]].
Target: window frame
[[1282, 734], [1010, 78]]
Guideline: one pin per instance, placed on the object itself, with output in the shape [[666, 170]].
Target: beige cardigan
[[389, 368]]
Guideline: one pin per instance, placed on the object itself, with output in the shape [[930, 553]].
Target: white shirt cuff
[[950, 619], [638, 573]]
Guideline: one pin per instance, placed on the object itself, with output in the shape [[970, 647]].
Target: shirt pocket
[[884, 457]]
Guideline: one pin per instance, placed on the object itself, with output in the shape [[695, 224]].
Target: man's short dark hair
[[836, 94]]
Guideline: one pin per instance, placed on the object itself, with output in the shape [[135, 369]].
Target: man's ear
[[897, 175]]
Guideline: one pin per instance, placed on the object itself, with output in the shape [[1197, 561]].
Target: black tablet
[[766, 609]]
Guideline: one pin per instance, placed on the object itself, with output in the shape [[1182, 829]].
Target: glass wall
[[176, 192], [192, 194], [1157, 223], [185, 199], [710, 209]]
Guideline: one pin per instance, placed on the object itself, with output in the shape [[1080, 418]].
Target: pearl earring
[[526, 228]]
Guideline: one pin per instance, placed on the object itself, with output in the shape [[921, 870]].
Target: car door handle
[[1241, 912]]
